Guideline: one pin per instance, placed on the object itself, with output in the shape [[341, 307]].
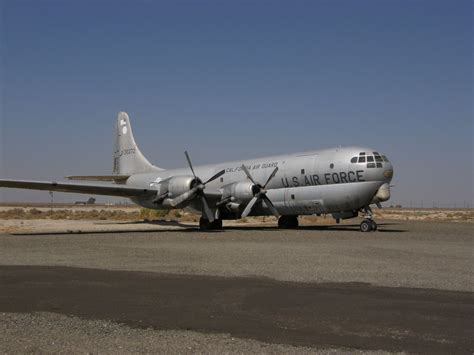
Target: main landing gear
[[288, 222], [205, 225], [368, 224]]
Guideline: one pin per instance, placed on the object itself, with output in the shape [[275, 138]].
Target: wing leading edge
[[94, 189]]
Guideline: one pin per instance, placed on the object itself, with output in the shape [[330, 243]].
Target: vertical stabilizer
[[128, 159]]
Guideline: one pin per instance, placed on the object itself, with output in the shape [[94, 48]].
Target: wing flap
[[119, 179], [94, 189]]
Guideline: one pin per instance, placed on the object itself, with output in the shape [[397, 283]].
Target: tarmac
[[318, 289]]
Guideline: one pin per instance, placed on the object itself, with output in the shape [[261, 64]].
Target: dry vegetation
[[427, 214], [102, 214]]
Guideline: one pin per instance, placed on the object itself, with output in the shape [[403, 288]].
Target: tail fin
[[128, 159]]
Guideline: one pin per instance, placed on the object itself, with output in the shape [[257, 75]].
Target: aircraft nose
[[388, 172]]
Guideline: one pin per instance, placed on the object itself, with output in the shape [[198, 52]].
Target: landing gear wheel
[[366, 225], [204, 224], [217, 224], [288, 222], [374, 226]]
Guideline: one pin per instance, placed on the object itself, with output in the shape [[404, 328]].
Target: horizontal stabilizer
[[118, 179], [96, 189]]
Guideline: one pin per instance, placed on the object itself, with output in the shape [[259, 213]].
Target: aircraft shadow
[[382, 228]]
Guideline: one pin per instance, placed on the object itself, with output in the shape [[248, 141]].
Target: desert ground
[[60, 218], [117, 279]]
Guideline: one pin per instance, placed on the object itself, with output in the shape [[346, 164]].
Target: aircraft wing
[[96, 189]]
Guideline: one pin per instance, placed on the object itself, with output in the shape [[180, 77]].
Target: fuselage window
[[331, 166], [361, 159], [292, 196], [354, 160], [370, 158], [379, 165], [302, 171], [371, 165]]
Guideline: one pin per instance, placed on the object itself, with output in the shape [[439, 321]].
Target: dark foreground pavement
[[336, 315]]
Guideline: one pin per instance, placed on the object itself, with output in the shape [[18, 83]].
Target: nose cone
[[388, 172]]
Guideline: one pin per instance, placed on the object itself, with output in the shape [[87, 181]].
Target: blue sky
[[239, 79]]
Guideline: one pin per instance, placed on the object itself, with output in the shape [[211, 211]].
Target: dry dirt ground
[[166, 287], [95, 218]]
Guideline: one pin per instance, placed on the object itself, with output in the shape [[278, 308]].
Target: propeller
[[260, 193], [197, 190]]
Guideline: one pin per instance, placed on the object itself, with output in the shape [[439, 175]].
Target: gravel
[[50, 333], [412, 254]]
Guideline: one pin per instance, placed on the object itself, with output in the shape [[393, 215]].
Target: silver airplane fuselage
[[315, 182]]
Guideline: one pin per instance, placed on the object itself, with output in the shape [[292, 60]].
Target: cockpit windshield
[[372, 161]]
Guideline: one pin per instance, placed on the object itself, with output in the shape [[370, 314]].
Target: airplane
[[342, 182]]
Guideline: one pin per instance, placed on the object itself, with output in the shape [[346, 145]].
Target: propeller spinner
[[197, 190], [260, 193]]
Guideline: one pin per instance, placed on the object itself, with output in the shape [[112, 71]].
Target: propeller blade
[[183, 197], [207, 211], [270, 206], [244, 168], [219, 174], [272, 175], [189, 162], [249, 206]]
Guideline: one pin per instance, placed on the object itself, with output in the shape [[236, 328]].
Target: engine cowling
[[241, 192], [176, 185]]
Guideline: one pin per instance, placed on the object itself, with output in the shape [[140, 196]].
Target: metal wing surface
[[94, 189]]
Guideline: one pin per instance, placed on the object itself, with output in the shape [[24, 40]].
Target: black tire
[[374, 226], [217, 224], [294, 222], [365, 226], [204, 224], [282, 222], [288, 222]]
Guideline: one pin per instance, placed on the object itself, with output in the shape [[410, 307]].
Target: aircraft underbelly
[[324, 198]]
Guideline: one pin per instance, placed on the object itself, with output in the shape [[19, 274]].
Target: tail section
[[128, 159]]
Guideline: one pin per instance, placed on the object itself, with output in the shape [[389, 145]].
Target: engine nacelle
[[176, 185], [238, 191]]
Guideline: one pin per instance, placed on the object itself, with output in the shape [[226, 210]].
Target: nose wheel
[[368, 224]]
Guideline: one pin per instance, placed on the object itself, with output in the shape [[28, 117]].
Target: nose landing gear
[[368, 224]]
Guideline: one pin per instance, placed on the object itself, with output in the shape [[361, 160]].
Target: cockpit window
[[371, 165], [362, 153], [354, 160], [379, 165], [378, 158], [361, 159], [370, 158], [385, 159], [376, 153]]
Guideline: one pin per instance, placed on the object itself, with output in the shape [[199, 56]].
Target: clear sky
[[239, 79]]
